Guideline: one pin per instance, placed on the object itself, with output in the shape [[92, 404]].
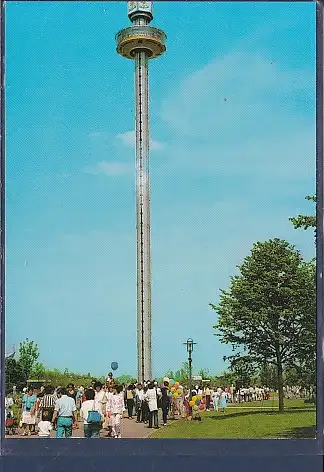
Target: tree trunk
[[280, 385]]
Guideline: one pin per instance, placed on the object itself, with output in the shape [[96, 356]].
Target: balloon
[[114, 365], [194, 398], [199, 397], [173, 389], [166, 379], [176, 383], [195, 407], [191, 403], [171, 381], [175, 395], [202, 407], [170, 394]]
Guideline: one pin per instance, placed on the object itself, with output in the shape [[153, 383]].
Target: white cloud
[[242, 114], [240, 90], [128, 139], [111, 169]]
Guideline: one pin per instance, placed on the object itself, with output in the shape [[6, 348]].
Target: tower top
[[138, 10]]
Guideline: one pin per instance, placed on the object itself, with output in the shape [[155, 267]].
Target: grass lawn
[[255, 420]]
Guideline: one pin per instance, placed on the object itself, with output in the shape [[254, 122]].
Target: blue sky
[[232, 109]]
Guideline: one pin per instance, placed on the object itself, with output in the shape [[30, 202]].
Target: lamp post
[[190, 345]]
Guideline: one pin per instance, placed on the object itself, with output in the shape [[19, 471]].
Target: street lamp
[[190, 346]]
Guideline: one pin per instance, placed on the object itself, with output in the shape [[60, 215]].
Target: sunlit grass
[[255, 420]]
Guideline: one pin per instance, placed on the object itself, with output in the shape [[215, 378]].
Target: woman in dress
[[28, 401], [223, 401]]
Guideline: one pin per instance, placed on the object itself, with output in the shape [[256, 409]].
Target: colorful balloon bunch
[[175, 388], [197, 403]]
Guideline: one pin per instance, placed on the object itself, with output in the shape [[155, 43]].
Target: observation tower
[[140, 43]]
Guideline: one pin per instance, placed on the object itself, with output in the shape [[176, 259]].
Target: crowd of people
[[101, 407]]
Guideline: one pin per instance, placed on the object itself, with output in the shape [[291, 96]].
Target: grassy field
[[256, 420]]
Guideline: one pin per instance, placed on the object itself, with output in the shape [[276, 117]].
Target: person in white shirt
[[139, 398], [216, 398], [107, 424], [44, 429], [100, 398], [151, 396], [207, 393], [115, 409], [91, 430], [9, 403]]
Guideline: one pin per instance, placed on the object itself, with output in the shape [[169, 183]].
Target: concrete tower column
[[141, 42]]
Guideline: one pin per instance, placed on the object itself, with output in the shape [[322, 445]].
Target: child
[[115, 409], [44, 429], [196, 413]]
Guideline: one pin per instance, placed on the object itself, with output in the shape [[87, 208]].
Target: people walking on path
[[139, 399], [152, 399], [107, 423], [28, 420], [165, 402], [145, 406], [115, 409], [100, 398], [47, 404], [129, 397], [91, 428], [64, 414]]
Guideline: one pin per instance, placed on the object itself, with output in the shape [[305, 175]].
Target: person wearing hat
[[110, 381]]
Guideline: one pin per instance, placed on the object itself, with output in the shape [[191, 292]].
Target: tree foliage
[[14, 374], [126, 379], [268, 314], [28, 355], [244, 371], [181, 375], [304, 221]]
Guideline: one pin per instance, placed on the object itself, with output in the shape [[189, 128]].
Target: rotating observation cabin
[[141, 42]]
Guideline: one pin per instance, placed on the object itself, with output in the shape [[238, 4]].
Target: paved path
[[129, 428]]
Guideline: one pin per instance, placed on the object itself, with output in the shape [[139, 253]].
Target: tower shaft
[[141, 42], [144, 313]]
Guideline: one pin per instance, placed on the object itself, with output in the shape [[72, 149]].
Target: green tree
[[14, 374], [243, 370], [269, 310], [38, 370], [28, 355], [204, 373], [181, 375], [126, 379], [304, 221], [268, 376]]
